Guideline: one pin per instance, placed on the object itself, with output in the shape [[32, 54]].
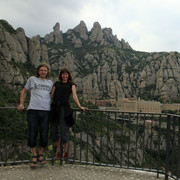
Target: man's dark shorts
[[38, 120]]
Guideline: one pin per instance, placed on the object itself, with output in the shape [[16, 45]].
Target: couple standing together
[[39, 114]]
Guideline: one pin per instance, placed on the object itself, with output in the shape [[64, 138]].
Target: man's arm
[[22, 98]]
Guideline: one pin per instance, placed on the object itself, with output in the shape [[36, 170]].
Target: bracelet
[[21, 105]]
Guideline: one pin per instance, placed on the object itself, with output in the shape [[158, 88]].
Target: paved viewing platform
[[73, 172]]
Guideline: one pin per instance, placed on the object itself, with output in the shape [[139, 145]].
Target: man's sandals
[[41, 159], [33, 162]]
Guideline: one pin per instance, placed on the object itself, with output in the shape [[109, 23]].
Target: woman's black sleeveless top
[[62, 92]]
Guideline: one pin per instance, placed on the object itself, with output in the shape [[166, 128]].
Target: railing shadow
[[140, 141]]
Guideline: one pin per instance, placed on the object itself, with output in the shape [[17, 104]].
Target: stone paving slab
[[73, 172]]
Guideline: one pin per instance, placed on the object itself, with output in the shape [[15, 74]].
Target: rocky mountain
[[102, 66]]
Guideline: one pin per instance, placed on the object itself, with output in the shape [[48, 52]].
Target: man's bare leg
[[34, 158], [41, 158]]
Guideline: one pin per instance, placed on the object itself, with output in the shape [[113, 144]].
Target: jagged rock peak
[[97, 34], [125, 45], [105, 37], [7, 26], [82, 30], [58, 39], [55, 36], [56, 27], [97, 25]]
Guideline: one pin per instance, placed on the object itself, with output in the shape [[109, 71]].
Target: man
[[38, 111]]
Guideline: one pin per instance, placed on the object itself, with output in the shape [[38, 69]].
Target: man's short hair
[[43, 65]]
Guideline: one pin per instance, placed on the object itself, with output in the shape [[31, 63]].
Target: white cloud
[[146, 25]]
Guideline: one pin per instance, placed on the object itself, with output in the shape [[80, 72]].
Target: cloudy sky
[[147, 25]]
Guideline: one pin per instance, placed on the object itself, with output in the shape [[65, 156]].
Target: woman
[[61, 112]]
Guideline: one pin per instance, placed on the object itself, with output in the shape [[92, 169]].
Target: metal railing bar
[[87, 145], [151, 143], [107, 139], [115, 124], [74, 139], [144, 130], [129, 139], [173, 144], [122, 125], [167, 147], [101, 132], [94, 138], [5, 142], [81, 126], [14, 162], [178, 161], [14, 135], [22, 144], [159, 132], [137, 125], [117, 166]]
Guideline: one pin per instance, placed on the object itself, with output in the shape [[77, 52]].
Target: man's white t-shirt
[[40, 93]]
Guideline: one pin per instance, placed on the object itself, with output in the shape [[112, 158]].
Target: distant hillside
[[102, 66]]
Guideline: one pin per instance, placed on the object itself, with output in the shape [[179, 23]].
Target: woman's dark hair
[[65, 70], [43, 65]]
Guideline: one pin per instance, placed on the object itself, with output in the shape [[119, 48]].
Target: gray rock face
[[35, 50], [77, 42], [161, 79], [38, 52], [11, 47], [100, 66], [22, 39]]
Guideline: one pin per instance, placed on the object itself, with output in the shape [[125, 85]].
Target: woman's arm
[[76, 98], [52, 91]]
